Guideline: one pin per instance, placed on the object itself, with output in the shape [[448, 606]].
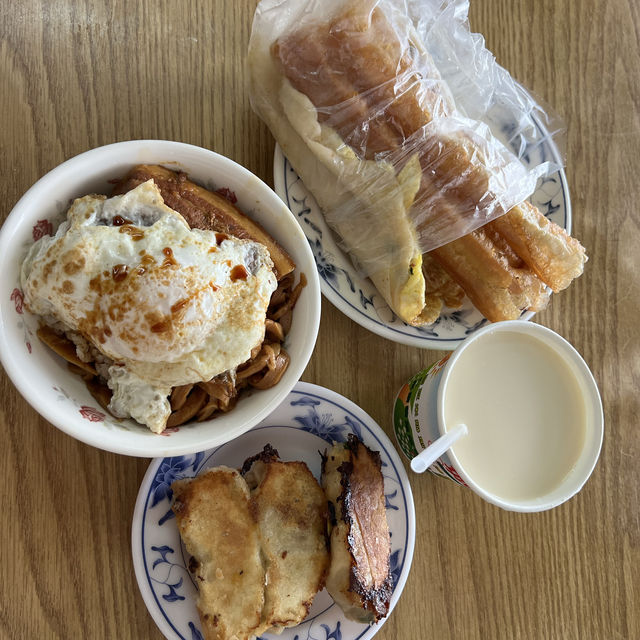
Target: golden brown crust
[[218, 529], [438, 283], [498, 289], [549, 251], [290, 509], [267, 455]]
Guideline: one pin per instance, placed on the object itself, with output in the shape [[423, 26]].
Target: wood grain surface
[[76, 74]]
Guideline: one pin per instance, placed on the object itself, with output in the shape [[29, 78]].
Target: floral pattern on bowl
[[309, 420], [43, 378], [356, 295], [28, 324]]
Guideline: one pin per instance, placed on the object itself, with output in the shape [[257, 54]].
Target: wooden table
[[79, 74]]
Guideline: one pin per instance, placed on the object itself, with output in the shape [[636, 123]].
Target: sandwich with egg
[[418, 195]]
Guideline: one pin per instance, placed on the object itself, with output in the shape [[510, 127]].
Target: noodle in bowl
[[61, 396]]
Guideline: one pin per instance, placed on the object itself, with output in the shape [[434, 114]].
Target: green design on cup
[[415, 384], [402, 429]]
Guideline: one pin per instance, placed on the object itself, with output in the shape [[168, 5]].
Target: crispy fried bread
[[204, 209], [290, 509], [383, 100], [218, 529], [359, 580]]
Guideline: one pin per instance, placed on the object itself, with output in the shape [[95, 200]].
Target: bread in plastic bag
[[417, 190]]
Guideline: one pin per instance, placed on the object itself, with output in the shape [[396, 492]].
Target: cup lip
[[591, 450], [91, 165]]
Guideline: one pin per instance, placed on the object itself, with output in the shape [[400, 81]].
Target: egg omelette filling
[[164, 304]]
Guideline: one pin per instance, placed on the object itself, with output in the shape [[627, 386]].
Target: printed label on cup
[[415, 422], [531, 407]]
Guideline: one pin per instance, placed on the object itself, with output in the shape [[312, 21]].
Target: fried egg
[[169, 305]]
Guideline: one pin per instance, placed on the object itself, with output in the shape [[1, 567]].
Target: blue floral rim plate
[[356, 295], [309, 420]]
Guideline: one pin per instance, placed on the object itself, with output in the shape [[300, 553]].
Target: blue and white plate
[[357, 297], [308, 421]]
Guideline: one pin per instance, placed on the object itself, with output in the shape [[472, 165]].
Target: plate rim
[[138, 518], [380, 328]]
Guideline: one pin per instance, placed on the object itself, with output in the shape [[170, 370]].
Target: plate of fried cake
[[303, 527]]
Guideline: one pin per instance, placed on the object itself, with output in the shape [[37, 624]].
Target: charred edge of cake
[[353, 443], [268, 454], [374, 600], [177, 506], [193, 566], [345, 470], [323, 461], [331, 516]]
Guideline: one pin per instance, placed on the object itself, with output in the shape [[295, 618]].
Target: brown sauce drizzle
[[169, 260], [145, 262], [134, 232], [238, 273], [161, 327], [179, 305], [118, 221], [119, 272]]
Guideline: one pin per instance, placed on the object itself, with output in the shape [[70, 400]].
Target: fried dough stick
[[366, 86]]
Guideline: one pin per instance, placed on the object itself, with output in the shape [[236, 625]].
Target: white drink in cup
[[532, 409]]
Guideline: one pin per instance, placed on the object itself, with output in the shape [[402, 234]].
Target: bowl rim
[[156, 446]]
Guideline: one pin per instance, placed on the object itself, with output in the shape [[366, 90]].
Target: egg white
[[169, 305]]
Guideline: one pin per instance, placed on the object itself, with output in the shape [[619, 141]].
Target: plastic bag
[[482, 89], [391, 112]]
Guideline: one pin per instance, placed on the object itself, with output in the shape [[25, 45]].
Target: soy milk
[[526, 414]]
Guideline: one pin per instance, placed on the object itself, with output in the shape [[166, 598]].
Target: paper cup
[[418, 417]]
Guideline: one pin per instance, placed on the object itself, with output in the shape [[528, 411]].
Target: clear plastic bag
[[399, 121]]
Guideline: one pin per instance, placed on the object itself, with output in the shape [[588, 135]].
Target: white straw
[[426, 458]]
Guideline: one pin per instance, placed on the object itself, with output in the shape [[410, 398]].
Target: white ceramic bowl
[[43, 378]]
